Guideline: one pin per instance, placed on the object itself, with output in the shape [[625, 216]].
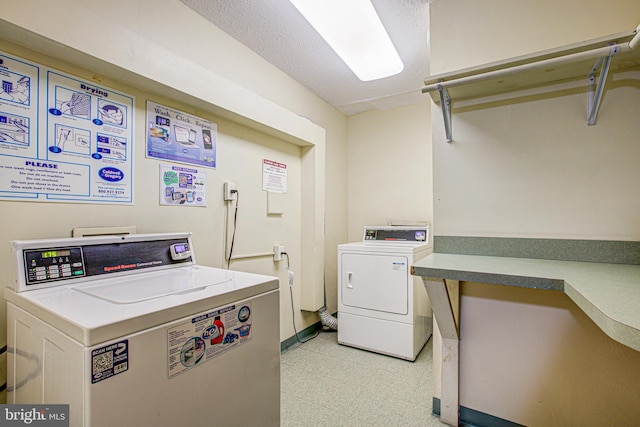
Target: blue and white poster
[[63, 139], [180, 137]]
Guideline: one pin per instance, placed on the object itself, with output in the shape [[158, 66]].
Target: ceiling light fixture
[[354, 31]]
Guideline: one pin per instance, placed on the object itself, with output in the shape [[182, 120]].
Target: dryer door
[[375, 282]]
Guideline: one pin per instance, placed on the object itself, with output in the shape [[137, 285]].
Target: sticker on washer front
[[206, 336], [109, 360], [399, 266]]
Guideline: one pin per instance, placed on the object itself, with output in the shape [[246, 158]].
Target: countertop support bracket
[[445, 302], [445, 102], [596, 90]]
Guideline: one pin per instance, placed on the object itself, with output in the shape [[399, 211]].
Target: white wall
[[389, 167], [531, 167]]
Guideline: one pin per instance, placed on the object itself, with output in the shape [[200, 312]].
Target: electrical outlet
[[278, 250], [229, 190]]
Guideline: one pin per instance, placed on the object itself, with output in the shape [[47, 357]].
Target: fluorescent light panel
[[354, 31]]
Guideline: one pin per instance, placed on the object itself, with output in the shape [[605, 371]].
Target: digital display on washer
[[53, 254], [52, 264]]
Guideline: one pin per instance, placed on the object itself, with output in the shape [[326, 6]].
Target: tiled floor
[[327, 384]]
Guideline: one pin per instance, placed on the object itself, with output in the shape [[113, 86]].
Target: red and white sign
[[274, 176]]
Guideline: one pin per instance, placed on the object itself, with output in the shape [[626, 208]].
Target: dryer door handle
[[350, 280]]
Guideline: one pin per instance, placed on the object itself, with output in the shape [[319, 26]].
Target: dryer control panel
[[396, 234]]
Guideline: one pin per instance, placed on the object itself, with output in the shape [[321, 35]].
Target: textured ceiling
[[275, 30]]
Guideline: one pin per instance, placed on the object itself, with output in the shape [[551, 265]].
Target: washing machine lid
[[97, 314], [142, 287]]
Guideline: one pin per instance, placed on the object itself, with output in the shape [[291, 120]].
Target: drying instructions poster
[[181, 185], [180, 137], [207, 336], [63, 139]]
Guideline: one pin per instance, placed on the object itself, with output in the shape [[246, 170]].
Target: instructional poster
[[180, 137], [207, 336], [63, 139], [182, 186]]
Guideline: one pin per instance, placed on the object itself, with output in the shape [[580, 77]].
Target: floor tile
[[327, 384]]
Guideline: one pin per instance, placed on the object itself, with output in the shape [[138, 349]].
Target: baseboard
[[472, 418], [293, 342]]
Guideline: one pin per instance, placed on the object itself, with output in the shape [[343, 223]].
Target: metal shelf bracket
[[596, 90], [445, 103]]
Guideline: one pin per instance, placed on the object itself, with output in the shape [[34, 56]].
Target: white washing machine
[[130, 331], [381, 306]]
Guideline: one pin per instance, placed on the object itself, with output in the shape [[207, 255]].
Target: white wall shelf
[[568, 63]]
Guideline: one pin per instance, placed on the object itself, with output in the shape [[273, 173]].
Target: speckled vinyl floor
[[327, 384]]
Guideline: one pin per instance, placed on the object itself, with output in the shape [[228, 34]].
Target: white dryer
[[129, 331], [381, 306]]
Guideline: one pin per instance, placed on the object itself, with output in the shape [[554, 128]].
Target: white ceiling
[[275, 30]]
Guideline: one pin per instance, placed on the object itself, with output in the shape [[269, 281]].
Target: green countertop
[[608, 293]]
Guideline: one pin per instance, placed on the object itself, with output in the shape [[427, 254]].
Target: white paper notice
[[274, 176]]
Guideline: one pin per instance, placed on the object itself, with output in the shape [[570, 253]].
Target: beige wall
[[547, 363], [240, 151], [535, 169], [161, 50], [389, 167], [468, 33], [531, 167]]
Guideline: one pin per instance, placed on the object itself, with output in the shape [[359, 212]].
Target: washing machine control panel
[[75, 260], [50, 264]]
